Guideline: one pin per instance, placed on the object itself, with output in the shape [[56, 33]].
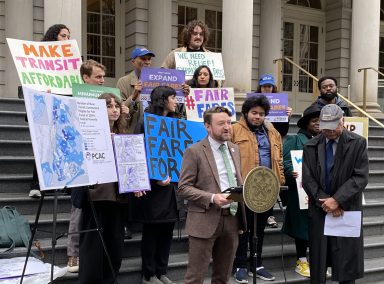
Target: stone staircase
[[16, 162]]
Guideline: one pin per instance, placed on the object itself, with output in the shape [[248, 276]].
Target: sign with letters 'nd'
[[47, 66], [358, 125], [166, 140], [189, 61], [279, 104], [199, 100]]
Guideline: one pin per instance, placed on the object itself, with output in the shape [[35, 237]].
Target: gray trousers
[[74, 226]]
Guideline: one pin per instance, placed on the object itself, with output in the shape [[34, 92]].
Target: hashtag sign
[[190, 102]]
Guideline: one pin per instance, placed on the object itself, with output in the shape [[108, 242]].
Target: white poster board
[[201, 99], [71, 140], [358, 125], [297, 163], [189, 61], [131, 163], [47, 66]]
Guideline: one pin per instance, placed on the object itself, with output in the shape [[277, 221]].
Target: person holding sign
[[195, 37], [213, 222], [202, 78], [296, 220], [335, 173], [260, 145], [157, 208], [94, 267], [131, 86]]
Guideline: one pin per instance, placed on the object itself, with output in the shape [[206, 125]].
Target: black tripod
[[54, 234]]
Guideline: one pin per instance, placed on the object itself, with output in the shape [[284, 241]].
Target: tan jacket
[[126, 85], [246, 140]]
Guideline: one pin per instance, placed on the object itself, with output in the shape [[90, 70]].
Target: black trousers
[[155, 247], [241, 259], [94, 266]]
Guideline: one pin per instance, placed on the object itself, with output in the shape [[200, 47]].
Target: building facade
[[325, 37]]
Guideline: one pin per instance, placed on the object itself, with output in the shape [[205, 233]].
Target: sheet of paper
[[13, 267], [348, 225]]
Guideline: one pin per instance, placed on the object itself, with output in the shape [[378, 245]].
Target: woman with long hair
[[202, 78], [157, 208]]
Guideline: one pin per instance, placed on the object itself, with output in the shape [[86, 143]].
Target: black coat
[[349, 179]]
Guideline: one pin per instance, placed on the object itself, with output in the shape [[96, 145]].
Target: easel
[[55, 237]]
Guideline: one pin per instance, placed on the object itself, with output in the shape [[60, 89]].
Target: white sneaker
[[34, 193]]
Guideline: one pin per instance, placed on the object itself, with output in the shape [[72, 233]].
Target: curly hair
[[194, 83], [159, 98], [322, 79], [256, 101], [188, 30], [52, 33]]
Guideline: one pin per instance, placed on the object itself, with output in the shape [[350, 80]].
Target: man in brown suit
[[214, 222]]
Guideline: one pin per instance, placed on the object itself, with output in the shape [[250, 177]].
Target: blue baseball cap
[[141, 51], [267, 79]]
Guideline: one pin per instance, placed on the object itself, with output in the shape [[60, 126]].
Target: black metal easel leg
[[254, 247], [54, 240], [101, 236], [34, 229]]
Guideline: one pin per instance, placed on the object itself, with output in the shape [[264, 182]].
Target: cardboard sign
[[279, 104], [297, 163], [71, 140], [166, 140], [154, 77], [199, 100], [131, 162], [92, 91], [358, 125], [47, 66], [189, 61]]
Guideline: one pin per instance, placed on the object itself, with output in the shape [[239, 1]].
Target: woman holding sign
[[94, 266], [296, 219], [157, 208]]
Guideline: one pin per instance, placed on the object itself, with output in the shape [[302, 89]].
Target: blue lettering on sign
[[299, 160]]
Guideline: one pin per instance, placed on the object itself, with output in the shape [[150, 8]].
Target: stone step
[[376, 176], [16, 165], [374, 191], [28, 206], [375, 140], [12, 104], [12, 117], [15, 183], [376, 163], [130, 271], [15, 148], [375, 151], [14, 132]]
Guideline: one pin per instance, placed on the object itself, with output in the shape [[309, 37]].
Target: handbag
[[15, 230]]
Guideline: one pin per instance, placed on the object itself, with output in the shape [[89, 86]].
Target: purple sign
[[279, 104], [154, 77]]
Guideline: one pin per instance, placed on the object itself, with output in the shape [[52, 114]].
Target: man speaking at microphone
[[260, 145], [213, 222]]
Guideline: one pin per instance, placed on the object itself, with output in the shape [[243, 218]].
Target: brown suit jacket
[[199, 179]]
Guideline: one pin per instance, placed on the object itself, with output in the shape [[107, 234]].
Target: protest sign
[[189, 61], [166, 140], [199, 100], [297, 163], [154, 77], [71, 140], [92, 91], [131, 163], [47, 66], [358, 125], [279, 104]]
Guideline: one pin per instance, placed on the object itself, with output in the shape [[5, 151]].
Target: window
[[101, 36], [381, 57], [316, 4], [212, 18]]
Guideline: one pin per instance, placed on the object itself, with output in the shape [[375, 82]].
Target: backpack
[[15, 230]]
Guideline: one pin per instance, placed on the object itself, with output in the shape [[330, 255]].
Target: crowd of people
[[220, 230]]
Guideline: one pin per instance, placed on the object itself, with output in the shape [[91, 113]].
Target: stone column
[[270, 36], [18, 25], [159, 29], [67, 12], [237, 44], [365, 52]]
